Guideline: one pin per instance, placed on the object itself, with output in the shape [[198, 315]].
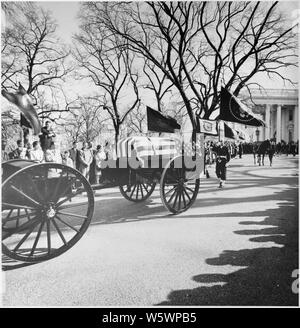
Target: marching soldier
[[223, 157]]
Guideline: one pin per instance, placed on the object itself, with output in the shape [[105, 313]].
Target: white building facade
[[279, 109]]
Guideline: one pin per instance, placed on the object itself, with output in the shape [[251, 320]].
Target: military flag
[[233, 110], [160, 123]]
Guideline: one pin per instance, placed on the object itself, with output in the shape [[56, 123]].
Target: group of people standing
[[85, 159], [88, 160], [290, 148], [40, 151]]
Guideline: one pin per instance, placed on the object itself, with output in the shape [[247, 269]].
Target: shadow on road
[[123, 211], [267, 276]]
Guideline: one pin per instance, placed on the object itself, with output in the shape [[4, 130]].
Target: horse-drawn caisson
[[47, 207]]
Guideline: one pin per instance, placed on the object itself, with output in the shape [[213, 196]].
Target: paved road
[[235, 246]]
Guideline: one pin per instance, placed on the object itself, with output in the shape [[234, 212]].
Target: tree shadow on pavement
[[119, 210], [123, 211], [266, 278]]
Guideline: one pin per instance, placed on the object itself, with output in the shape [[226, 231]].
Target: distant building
[[279, 109]]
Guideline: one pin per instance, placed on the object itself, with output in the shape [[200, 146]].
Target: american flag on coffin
[[144, 147]]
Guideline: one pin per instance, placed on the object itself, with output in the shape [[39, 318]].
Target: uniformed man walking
[[223, 157]]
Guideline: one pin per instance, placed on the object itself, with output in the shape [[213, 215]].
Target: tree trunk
[[117, 133]]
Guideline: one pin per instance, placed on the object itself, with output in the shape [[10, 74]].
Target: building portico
[[279, 109]]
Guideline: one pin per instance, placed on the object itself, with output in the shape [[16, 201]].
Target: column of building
[[278, 124], [296, 136], [267, 121]]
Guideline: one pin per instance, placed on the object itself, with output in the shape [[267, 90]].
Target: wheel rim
[[44, 211], [178, 188], [139, 191]]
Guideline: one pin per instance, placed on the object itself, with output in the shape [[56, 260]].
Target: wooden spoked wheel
[[139, 191], [46, 209], [178, 187]]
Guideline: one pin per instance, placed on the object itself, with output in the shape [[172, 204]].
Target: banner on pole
[[208, 127]]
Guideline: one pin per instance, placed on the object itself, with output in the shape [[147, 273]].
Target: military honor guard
[[222, 158]]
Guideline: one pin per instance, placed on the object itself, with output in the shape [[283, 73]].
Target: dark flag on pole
[[233, 110], [22, 100], [160, 123], [228, 132]]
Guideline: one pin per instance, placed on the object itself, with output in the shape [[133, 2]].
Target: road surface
[[235, 246]]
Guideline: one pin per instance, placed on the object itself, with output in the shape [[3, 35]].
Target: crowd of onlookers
[[237, 149], [86, 159], [282, 147]]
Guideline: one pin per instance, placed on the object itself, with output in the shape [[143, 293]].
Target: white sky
[[65, 12]]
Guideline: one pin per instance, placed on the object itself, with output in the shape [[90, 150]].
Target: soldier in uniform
[[223, 157], [46, 137]]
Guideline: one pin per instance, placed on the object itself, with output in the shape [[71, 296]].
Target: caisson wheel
[[178, 186], [139, 191], [46, 208]]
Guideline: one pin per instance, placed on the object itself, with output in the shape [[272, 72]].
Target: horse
[[263, 148]]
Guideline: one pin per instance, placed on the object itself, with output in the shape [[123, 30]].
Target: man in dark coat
[[46, 138], [254, 151], [271, 152], [223, 157], [74, 154], [240, 147]]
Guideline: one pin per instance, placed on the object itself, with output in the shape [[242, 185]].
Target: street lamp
[[257, 134]]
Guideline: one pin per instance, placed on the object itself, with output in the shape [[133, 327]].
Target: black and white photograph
[[149, 156]]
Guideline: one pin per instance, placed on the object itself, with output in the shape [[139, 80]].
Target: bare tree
[[161, 32], [202, 46], [10, 64], [53, 103], [32, 53], [107, 62], [84, 120], [245, 40], [136, 122], [10, 128], [157, 82]]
